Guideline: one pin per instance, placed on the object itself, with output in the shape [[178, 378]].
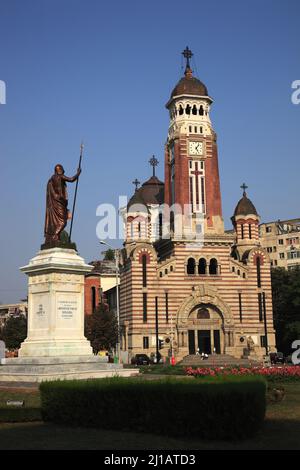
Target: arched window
[[188, 109], [139, 230], [234, 254], [213, 266], [160, 224], [180, 110], [144, 265], [194, 110], [172, 225], [250, 231], [93, 298], [203, 314], [258, 273], [191, 266], [202, 266], [201, 111]]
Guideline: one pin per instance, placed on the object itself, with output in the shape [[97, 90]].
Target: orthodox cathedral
[[187, 285]]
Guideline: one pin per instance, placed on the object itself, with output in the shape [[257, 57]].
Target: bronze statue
[[57, 213]]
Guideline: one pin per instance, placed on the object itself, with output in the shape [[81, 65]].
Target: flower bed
[[282, 373]]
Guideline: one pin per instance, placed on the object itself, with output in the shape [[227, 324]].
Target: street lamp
[[116, 252]]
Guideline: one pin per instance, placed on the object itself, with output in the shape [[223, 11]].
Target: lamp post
[[156, 330], [116, 252], [265, 323]]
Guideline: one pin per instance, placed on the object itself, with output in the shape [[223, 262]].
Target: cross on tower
[[153, 162], [196, 172], [136, 182], [187, 54], [244, 187]]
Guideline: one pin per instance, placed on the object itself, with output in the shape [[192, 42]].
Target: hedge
[[222, 408]]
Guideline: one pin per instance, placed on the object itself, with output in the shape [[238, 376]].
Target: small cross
[[244, 187], [136, 182], [153, 162], [187, 54]]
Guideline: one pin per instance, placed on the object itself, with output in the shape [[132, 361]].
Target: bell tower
[[191, 157]]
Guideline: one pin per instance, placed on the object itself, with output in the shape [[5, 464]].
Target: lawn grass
[[158, 369], [29, 412], [281, 431]]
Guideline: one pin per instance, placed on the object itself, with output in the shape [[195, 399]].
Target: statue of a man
[[250, 343], [57, 203]]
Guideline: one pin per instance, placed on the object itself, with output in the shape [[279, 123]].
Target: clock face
[[196, 148]]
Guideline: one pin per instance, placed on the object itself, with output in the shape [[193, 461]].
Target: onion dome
[[245, 206], [152, 191], [189, 85], [137, 201]]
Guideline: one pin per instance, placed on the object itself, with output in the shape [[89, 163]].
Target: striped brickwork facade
[[233, 296]]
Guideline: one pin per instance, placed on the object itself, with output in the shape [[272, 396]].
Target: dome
[[245, 207], [136, 200], [151, 192], [189, 85]]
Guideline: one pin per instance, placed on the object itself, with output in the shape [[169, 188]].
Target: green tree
[[14, 332], [101, 328], [109, 255], [286, 307]]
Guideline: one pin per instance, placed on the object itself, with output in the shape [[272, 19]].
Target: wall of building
[[180, 287]]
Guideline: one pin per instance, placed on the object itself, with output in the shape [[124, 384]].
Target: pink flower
[[284, 371]]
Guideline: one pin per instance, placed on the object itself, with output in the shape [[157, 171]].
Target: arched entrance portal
[[205, 327], [204, 321]]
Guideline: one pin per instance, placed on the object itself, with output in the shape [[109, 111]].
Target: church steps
[[217, 360]]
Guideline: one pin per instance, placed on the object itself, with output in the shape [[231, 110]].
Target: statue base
[[59, 244], [56, 305], [39, 369]]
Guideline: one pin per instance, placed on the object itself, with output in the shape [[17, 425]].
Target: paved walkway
[[19, 386]]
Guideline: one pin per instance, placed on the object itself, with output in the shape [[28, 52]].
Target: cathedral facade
[[187, 285]]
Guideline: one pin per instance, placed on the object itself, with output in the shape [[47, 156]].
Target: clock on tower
[[195, 148]]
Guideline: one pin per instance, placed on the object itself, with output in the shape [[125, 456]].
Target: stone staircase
[[59, 368], [217, 360]]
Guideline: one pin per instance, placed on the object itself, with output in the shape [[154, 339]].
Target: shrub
[[218, 408]]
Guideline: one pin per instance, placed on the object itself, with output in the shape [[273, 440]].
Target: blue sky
[[103, 71]]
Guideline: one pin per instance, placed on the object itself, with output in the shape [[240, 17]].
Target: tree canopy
[[101, 328], [286, 307], [14, 332], [109, 255]]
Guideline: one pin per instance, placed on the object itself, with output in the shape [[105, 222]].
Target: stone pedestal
[[56, 305], [55, 347]]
